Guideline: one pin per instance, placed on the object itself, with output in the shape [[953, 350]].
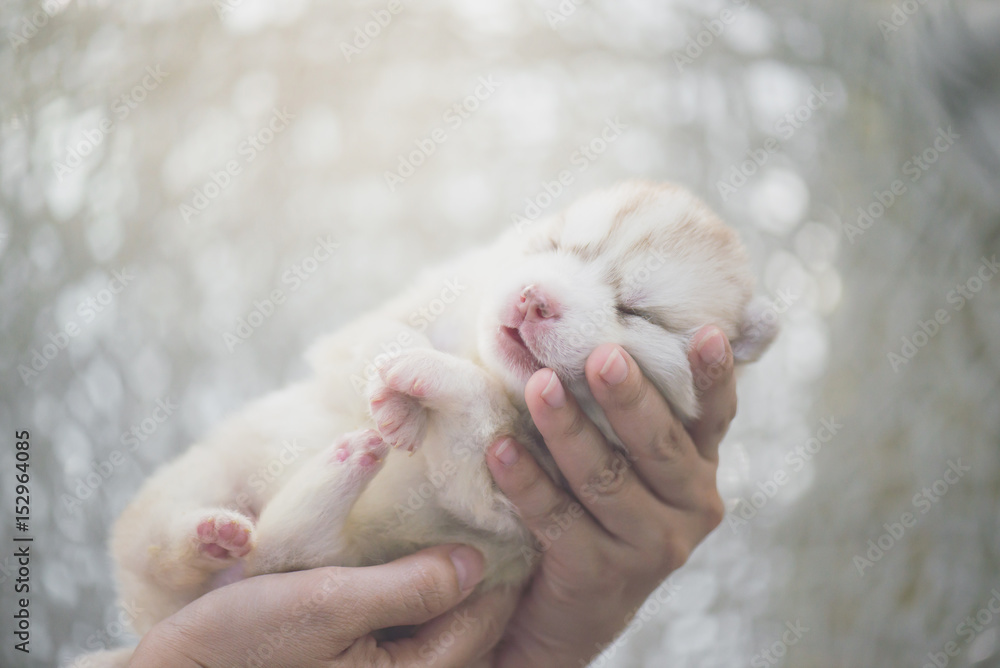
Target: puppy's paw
[[416, 382], [421, 374], [361, 452], [223, 534], [401, 419], [400, 397]]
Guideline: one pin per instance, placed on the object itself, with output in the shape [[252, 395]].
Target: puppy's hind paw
[[223, 534], [361, 452]]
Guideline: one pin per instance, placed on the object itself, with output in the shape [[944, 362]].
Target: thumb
[[416, 588]]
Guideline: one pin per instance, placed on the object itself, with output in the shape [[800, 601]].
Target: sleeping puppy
[[381, 452]]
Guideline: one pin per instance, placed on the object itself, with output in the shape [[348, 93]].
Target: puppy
[[381, 452]]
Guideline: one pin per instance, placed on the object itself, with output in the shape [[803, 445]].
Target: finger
[[461, 636], [711, 360], [662, 451], [411, 590], [598, 474], [542, 505]]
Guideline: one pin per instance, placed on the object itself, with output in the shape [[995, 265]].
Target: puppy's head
[[641, 265]]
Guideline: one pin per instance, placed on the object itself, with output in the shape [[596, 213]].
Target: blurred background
[[165, 166]]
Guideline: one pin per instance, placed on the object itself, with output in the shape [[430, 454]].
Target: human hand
[[325, 616], [641, 515]]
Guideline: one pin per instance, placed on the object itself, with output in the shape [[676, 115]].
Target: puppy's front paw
[[399, 396], [401, 419], [223, 534]]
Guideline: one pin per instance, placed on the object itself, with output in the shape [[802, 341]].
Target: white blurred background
[[119, 120]]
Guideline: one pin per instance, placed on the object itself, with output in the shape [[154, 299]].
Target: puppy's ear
[[757, 331]]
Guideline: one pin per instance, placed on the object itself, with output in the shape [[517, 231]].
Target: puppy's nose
[[535, 305]]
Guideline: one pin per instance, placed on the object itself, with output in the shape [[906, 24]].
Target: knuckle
[[608, 480], [667, 444], [714, 511], [721, 426], [556, 507], [365, 652], [633, 394], [595, 574], [674, 552], [528, 479], [577, 425], [702, 381], [710, 376], [429, 587], [537, 500]]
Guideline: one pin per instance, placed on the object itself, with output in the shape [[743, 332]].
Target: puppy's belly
[[403, 510]]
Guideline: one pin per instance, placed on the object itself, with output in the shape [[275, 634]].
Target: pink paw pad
[[225, 537], [362, 449]]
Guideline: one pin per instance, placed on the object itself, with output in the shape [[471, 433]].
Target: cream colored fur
[[641, 265]]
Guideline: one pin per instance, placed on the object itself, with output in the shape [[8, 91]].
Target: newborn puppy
[[381, 453]]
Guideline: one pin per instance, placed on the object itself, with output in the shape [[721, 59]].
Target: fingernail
[[468, 566], [711, 348], [615, 369], [507, 453], [553, 394]]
